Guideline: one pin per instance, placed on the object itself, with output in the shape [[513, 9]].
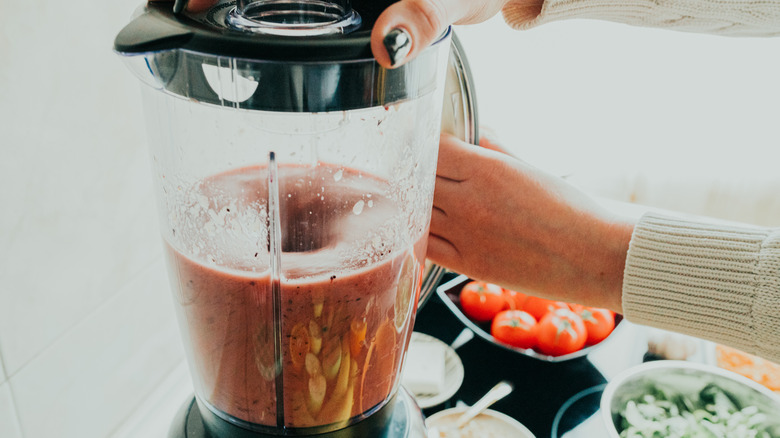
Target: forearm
[[723, 17], [586, 258], [609, 273], [720, 283]]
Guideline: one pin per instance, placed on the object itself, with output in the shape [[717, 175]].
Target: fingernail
[[398, 43], [179, 6]]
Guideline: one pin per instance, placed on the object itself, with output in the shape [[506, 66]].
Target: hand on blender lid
[[407, 27]]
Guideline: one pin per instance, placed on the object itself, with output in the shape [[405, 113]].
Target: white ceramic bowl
[[490, 421], [688, 378]]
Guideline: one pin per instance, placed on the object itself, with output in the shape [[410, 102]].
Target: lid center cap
[[294, 17]]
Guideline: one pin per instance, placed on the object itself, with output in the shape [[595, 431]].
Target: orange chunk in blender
[[299, 345], [357, 336]]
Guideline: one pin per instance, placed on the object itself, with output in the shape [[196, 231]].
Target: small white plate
[[453, 374]]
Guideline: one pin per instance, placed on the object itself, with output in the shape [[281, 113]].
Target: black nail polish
[[179, 6], [398, 43]]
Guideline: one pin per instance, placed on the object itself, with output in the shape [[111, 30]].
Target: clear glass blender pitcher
[[294, 179]]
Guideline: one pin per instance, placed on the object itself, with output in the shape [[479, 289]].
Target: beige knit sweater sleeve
[[715, 282], [725, 17]]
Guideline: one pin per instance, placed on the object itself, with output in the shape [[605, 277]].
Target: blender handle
[[460, 120], [460, 115], [431, 280]]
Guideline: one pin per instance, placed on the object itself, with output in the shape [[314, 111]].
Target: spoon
[[465, 335], [501, 390]]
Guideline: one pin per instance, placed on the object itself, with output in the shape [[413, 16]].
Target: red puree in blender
[[345, 319]]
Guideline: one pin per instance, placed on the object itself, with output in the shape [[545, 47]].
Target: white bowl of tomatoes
[[552, 331]]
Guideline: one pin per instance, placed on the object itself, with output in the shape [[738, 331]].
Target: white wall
[[86, 324], [677, 120]]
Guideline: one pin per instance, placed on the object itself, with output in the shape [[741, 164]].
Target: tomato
[[576, 308], [481, 301], [538, 307], [514, 327], [560, 332], [598, 322], [514, 299]]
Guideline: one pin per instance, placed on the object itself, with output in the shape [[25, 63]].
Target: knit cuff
[[715, 282], [516, 14], [724, 17]]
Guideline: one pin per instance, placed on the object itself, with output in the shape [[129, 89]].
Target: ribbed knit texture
[[724, 17], [715, 282]]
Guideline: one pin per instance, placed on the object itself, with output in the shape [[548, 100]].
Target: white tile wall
[[86, 325], [78, 220], [9, 425], [95, 375], [155, 417], [87, 328], [63, 263]]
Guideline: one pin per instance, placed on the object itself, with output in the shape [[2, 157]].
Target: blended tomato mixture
[[346, 295]]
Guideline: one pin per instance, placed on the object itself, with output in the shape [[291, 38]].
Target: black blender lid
[[181, 54], [158, 28], [294, 66]]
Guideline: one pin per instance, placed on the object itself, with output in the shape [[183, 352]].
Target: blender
[[294, 180]]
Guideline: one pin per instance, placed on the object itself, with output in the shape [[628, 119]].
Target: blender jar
[[294, 179]]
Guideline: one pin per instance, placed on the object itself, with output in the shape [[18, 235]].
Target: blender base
[[405, 421]]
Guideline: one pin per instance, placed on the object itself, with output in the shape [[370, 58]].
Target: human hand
[[498, 219], [407, 27]]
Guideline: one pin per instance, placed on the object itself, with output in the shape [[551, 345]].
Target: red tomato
[[598, 322], [481, 301], [514, 327], [576, 308], [514, 299], [538, 307], [560, 332]]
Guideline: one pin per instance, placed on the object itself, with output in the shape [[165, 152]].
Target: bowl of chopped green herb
[[677, 399]]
